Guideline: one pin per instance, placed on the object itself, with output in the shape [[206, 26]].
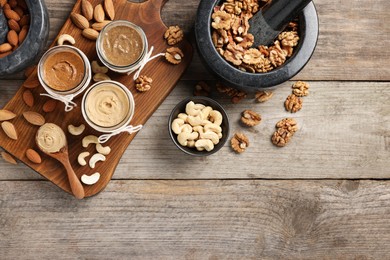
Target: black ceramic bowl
[[231, 76], [180, 108], [34, 43]]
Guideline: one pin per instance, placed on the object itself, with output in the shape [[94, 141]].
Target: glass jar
[[64, 70], [122, 46], [108, 106]]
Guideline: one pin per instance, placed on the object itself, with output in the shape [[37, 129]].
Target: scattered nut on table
[[81, 158], [285, 129], [300, 88], [174, 55], [173, 35], [143, 83], [250, 118], [263, 96], [76, 130], [90, 179], [105, 150], [239, 142], [97, 157], [293, 103], [89, 139], [66, 38], [96, 68]]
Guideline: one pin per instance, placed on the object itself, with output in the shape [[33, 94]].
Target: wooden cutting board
[[164, 74]]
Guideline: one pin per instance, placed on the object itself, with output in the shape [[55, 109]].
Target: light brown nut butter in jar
[[63, 70], [107, 105], [122, 45]]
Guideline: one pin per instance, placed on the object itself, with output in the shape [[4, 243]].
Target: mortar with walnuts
[[227, 48]]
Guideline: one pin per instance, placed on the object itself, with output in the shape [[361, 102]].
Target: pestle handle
[[266, 24]]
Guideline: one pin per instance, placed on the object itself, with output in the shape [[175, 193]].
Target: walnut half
[[239, 142], [174, 55], [143, 83]]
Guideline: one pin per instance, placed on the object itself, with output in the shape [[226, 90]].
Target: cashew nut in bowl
[[90, 139], [176, 125], [183, 116], [197, 120], [76, 130], [184, 137], [186, 128], [204, 144], [204, 114], [103, 150], [198, 129], [97, 157], [90, 179], [213, 127], [191, 143], [65, 38], [210, 135], [216, 117], [193, 109], [81, 158]]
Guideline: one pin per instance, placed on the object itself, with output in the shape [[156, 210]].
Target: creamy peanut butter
[[50, 138], [63, 70], [107, 105], [122, 45]]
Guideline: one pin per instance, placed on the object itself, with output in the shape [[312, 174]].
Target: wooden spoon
[[51, 140]]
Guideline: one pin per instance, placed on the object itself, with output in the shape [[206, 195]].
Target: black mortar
[[34, 43], [231, 76]]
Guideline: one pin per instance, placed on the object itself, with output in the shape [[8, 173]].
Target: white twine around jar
[[148, 57], [67, 100], [130, 129]]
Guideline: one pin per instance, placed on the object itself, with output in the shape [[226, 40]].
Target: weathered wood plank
[[344, 133], [198, 220]]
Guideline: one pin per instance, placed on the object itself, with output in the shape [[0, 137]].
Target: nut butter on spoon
[[51, 140]]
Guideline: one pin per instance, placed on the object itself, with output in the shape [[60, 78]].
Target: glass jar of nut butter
[[64, 70], [121, 46]]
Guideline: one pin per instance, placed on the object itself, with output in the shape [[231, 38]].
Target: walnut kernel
[[239, 142], [300, 88], [250, 118], [173, 35], [263, 96], [293, 103], [174, 55], [143, 83]]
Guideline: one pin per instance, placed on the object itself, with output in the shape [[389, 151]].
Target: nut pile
[[199, 127], [230, 23], [18, 24], [92, 19]]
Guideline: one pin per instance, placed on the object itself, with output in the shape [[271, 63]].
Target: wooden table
[[326, 195]]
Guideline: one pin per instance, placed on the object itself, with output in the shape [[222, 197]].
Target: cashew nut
[[191, 143], [193, 109], [100, 77], [176, 125], [76, 130], [204, 144], [184, 137], [210, 136], [183, 116], [198, 129], [204, 114], [90, 139], [81, 158], [103, 150], [90, 179], [213, 127], [97, 157], [65, 38], [197, 120], [216, 117], [96, 68]]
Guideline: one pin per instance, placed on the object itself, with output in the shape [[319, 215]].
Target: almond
[[23, 33], [3, 2], [25, 20], [100, 26], [109, 7], [6, 115], [87, 9], [22, 4], [28, 98], [33, 156], [5, 47], [11, 14], [32, 81], [12, 3], [34, 118], [19, 11], [9, 130], [12, 37], [90, 33], [4, 54], [13, 25], [49, 106], [6, 6], [8, 158], [98, 13], [79, 20]]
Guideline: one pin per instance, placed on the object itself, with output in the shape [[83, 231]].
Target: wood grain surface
[[165, 75], [198, 220], [232, 206]]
